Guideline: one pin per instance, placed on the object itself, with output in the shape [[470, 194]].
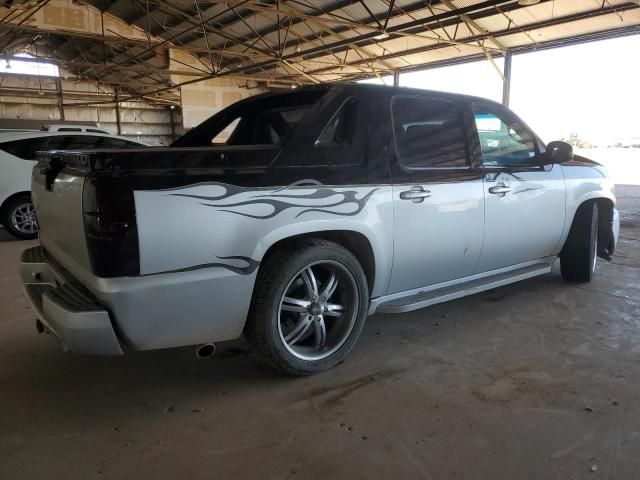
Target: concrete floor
[[538, 380]]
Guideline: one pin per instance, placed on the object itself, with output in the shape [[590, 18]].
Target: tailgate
[[58, 203]]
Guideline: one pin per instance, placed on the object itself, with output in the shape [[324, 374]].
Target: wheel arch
[[606, 241], [356, 242], [8, 199], [605, 220]]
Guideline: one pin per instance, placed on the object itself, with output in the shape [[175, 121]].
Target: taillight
[[110, 226]]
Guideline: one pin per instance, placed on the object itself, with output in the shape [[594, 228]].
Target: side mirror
[[558, 152]]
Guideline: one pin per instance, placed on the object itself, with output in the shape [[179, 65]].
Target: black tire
[[8, 211], [264, 329], [579, 254]]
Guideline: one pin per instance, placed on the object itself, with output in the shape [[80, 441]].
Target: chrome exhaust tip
[[206, 350]]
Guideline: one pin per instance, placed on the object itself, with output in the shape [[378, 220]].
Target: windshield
[[267, 120]]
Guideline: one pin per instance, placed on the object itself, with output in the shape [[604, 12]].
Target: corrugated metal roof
[[336, 40]]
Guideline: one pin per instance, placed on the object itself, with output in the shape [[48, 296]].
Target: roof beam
[[342, 24], [341, 43], [369, 38], [505, 32]]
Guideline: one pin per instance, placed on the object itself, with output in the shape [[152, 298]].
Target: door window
[[504, 140], [428, 133]]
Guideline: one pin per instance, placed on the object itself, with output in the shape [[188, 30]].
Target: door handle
[[416, 194], [500, 189]]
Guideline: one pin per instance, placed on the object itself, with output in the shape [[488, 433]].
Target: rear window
[[83, 142], [25, 149], [269, 127], [108, 142], [265, 121], [428, 133], [75, 142]]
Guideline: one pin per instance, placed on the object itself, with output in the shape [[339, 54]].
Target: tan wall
[[70, 15], [35, 98], [205, 98]]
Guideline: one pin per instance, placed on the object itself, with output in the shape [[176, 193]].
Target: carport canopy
[[149, 48]]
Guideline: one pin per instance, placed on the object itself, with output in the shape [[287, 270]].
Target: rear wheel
[[580, 253], [19, 217], [309, 307]]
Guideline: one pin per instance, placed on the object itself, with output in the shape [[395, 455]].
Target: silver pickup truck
[[290, 217]]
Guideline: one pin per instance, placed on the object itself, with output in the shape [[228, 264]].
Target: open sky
[[592, 90]]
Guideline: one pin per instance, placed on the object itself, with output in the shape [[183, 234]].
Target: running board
[[431, 297]]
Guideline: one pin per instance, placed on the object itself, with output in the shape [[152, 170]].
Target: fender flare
[[382, 259]]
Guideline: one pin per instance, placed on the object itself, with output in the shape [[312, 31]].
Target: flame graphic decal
[[280, 201], [250, 267]]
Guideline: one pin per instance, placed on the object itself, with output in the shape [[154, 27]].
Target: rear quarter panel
[[15, 176], [201, 247], [217, 224]]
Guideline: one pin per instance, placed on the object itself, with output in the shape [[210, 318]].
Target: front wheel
[[309, 307], [19, 218], [580, 252]]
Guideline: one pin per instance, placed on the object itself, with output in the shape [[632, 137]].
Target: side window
[[109, 142], [504, 141], [338, 140], [428, 133], [74, 142], [222, 136], [340, 129], [25, 149]]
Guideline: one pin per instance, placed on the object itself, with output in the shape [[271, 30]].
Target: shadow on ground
[[539, 379]]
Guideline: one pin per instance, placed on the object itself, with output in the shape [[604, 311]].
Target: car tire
[[18, 217], [580, 252], [299, 330]]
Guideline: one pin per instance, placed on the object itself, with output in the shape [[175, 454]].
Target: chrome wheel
[[23, 218], [318, 310]]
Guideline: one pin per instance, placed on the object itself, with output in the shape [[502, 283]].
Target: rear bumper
[[65, 308], [148, 312]]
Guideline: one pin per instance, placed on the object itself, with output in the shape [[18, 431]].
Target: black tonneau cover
[[145, 158]]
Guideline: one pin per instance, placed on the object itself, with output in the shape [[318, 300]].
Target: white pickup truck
[[324, 205]]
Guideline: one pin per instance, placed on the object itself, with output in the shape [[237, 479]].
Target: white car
[[17, 158]]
